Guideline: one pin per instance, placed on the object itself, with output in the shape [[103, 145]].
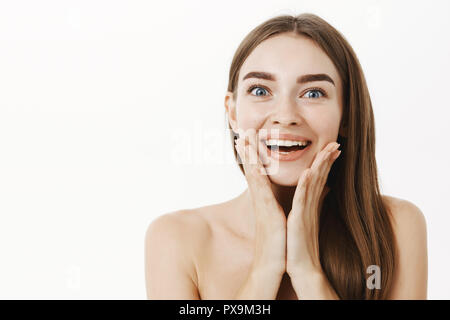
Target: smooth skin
[[262, 244]]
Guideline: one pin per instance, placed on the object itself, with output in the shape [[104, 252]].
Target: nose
[[287, 113]]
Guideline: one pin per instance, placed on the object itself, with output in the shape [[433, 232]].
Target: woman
[[312, 223]]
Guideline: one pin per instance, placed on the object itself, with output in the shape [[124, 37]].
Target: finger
[[253, 151], [331, 159], [262, 151], [322, 154], [250, 159], [321, 170], [320, 181], [337, 153], [322, 176], [300, 194], [314, 183], [259, 184], [254, 141], [263, 181]]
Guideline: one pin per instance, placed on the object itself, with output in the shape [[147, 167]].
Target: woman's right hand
[[270, 219]]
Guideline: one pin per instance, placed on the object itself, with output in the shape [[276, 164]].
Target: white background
[[96, 98]]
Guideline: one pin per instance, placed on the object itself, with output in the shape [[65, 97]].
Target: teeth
[[285, 143]]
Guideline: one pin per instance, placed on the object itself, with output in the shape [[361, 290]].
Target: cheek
[[325, 126], [250, 117]]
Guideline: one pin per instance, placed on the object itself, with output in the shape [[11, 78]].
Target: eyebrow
[[302, 79]]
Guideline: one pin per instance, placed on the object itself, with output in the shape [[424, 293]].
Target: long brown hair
[[355, 228]]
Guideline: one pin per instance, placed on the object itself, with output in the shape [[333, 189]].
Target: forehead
[[289, 56]]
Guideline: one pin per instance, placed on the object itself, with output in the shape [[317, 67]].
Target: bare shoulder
[[191, 229], [181, 219], [410, 231], [187, 227], [404, 213], [172, 244]]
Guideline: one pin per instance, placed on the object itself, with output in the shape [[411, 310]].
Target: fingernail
[[337, 155]]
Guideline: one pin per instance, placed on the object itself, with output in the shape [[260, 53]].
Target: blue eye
[[254, 87], [317, 92], [316, 95]]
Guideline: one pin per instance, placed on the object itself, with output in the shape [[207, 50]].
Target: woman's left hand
[[303, 221]]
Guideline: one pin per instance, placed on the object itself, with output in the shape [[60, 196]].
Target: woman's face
[[311, 108]]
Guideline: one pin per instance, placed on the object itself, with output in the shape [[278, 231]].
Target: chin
[[286, 178]]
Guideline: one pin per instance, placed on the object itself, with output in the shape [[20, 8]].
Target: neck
[[283, 194]]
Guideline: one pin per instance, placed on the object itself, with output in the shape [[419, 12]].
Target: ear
[[230, 107]]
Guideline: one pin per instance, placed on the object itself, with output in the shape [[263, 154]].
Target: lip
[[291, 156], [285, 136]]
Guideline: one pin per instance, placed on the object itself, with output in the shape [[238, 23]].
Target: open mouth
[[287, 149]]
